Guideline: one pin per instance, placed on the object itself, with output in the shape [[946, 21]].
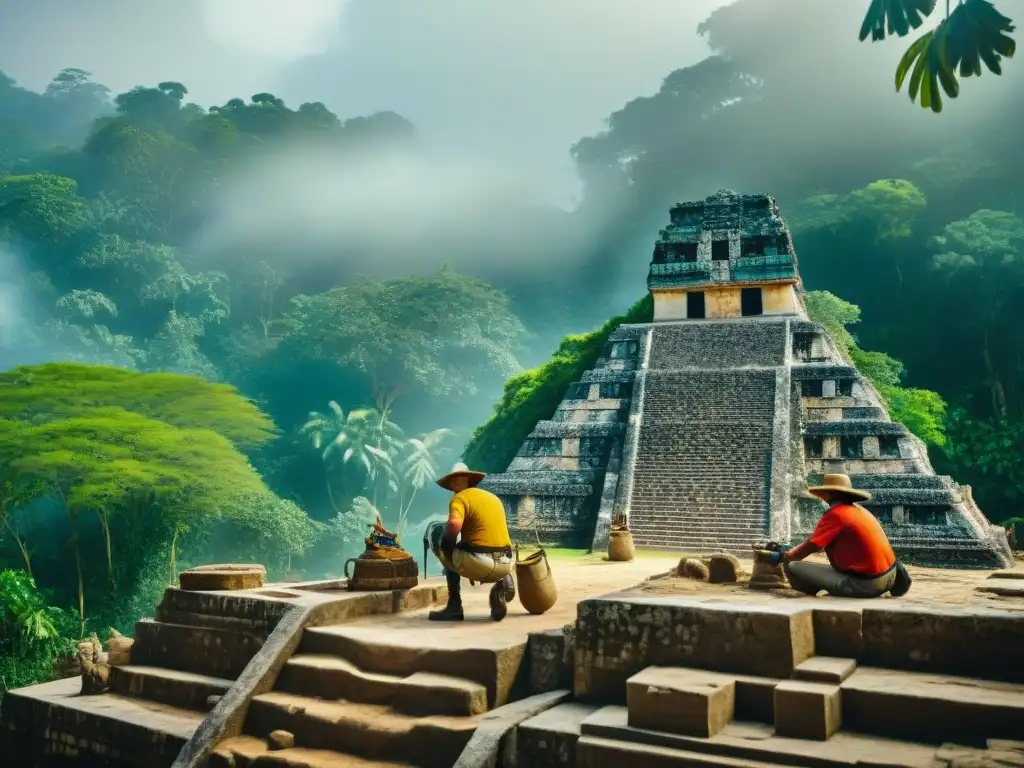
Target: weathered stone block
[[548, 740], [807, 710], [838, 631], [549, 670], [689, 702], [974, 642], [825, 669], [932, 708], [618, 637]]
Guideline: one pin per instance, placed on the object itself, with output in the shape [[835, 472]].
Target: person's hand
[[772, 556]]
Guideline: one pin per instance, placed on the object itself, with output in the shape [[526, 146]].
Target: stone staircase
[[830, 713], [351, 697], [680, 682], [189, 654], [703, 462]]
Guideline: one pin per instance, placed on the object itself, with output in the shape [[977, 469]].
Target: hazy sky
[[518, 80]]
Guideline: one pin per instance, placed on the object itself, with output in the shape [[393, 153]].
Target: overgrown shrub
[[534, 395], [32, 632]]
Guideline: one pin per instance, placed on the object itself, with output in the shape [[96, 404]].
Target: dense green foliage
[[923, 412], [534, 395], [113, 210], [163, 461], [33, 634], [972, 34]]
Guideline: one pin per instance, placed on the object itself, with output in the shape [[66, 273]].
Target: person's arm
[[456, 517], [800, 551], [827, 529]]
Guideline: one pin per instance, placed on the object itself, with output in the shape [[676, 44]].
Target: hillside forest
[[187, 377]]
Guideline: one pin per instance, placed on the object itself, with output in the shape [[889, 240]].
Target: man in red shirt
[[861, 560]]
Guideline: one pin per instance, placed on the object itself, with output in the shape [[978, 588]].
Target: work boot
[[501, 593], [452, 611]]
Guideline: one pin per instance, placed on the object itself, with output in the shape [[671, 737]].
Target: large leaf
[[899, 16], [974, 33]]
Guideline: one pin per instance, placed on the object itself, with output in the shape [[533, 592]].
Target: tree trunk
[[21, 545], [996, 388], [105, 524], [174, 544], [78, 567]]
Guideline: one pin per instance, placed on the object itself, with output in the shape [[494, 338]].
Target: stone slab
[[750, 744], [493, 661], [608, 753], [952, 640], [932, 708], [52, 720], [549, 669], [200, 650], [690, 702], [548, 740], [806, 710], [366, 730], [1013, 574], [250, 751], [492, 744], [618, 636], [838, 631], [422, 693], [167, 686], [825, 669]]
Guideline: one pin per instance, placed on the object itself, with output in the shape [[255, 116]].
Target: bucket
[[537, 591], [620, 546]]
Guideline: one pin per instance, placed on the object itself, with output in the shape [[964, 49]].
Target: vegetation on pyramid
[[533, 395]]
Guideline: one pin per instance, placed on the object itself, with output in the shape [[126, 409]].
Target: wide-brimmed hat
[[838, 484], [461, 470]]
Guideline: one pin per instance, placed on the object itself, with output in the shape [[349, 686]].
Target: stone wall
[[719, 346]]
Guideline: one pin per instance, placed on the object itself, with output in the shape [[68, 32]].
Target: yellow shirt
[[482, 516]]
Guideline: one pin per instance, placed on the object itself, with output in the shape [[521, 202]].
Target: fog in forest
[[404, 206]]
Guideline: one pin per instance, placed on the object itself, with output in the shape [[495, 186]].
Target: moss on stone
[[534, 395]]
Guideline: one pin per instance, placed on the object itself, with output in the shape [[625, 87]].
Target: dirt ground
[[578, 577], [931, 586]]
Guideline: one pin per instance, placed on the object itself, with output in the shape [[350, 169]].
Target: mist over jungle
[[367, 216]]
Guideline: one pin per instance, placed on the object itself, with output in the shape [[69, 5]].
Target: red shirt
[[854, 541]]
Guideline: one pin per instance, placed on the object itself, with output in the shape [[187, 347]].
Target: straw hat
[[838, 484], [461, 470]]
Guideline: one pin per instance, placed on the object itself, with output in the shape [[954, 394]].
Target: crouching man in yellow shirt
[[484, 552]]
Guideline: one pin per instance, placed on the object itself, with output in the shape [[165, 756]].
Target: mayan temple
[[706, 426]]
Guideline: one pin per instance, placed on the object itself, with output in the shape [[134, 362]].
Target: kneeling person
[[861, 560], [484, 553]]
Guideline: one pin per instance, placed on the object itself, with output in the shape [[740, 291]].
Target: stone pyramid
[[706, 426]]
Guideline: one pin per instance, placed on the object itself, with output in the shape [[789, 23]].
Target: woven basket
[[372, 574], [537, 590], [620, 546]]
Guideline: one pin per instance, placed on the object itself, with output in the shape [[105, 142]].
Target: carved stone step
[[365, 730], [439, 649], [186, 690], [202, 650], [247, 750], [421, 693], [932, 708]]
